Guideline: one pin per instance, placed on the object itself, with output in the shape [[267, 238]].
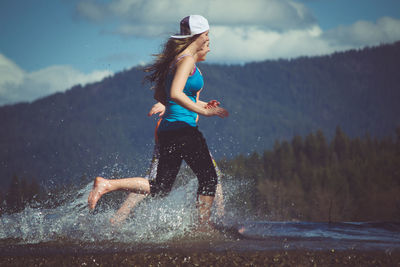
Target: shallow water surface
[[167, 223]]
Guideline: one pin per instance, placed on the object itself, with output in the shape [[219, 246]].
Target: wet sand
[[175, 257]]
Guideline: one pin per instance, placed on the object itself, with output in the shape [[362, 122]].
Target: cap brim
[[182, 36]]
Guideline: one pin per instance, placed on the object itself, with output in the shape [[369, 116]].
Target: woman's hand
[[216, 111], [157, 108], [213, 109], [212, 104]]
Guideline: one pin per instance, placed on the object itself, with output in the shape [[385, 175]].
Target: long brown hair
[[158, 71]]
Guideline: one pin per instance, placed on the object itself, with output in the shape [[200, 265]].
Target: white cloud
[[362, 33], [243, 31], [153, 17], [242, 44], [10, 72], [17, 85], [91, 10]]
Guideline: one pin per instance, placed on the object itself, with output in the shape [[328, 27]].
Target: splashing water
[[154, 220], [167, 221]]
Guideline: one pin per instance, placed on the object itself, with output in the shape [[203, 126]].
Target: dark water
[[167, 223], [310, 235]]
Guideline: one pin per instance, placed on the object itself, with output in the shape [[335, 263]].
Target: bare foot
[[205, 228], [100, 187], [241, 230]]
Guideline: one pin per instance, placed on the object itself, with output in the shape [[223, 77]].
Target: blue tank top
[[176, 116]]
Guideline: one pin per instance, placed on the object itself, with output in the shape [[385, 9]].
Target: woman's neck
[[190, 50]]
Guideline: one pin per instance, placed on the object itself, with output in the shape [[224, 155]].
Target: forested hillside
[[311, 179], [102, 128]]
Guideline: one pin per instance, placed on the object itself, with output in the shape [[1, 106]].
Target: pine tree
[[398, 142], [2, 203], [340, 144], [285, 162], [297, 146], [311, 149], [14, 199], [34, 191], [267, 164], [323, 149], [275, 167]]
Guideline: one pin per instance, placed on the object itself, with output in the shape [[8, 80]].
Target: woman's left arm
[[212, 103], [184, 67], [198, 101]]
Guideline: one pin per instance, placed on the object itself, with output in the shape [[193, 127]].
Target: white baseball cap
[[192, 25]]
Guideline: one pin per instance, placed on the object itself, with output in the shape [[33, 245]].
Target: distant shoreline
[[175, 257]]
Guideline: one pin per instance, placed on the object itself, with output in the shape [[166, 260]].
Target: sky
[[48, 46]]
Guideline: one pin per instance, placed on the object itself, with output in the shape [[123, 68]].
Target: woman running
[[177, 84]]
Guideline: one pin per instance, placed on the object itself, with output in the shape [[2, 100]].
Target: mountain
[[102, 128]]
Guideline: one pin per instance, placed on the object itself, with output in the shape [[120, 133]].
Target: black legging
[[184, 144]]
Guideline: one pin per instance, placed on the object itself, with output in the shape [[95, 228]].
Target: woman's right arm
[[157, 108]]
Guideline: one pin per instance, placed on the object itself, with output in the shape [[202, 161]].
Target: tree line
[[311, 179], [20, 193], [24, 192]]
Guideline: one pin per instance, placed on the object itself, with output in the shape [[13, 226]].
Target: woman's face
[[201, 55], [201, 40]]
